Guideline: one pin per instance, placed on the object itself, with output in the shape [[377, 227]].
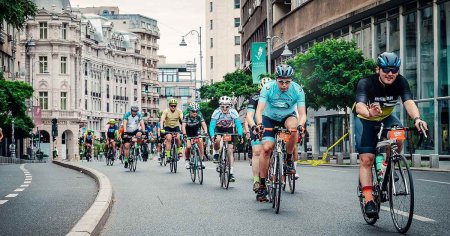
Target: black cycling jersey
[[253, 102], [370, 90]]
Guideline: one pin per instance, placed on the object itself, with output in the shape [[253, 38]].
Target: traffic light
[[54, 127]]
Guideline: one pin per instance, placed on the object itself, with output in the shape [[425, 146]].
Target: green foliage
[[13, 96], [16, 12], [329, 73]]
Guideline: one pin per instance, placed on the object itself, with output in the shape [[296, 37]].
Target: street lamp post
[[28, 46], [286, 52], [183, 44]]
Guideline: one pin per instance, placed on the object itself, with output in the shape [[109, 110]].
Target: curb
[[93, 220], [412, 168]]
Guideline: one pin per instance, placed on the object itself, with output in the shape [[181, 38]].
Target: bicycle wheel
[[173, 162], [269, 180], [193, 165], [401, 193], [199, 167], [278, 184], [221, 169], [134, 164], [375, 192], [107, 157], [291, 182], [227, 169]]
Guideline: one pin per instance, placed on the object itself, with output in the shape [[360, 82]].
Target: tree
[[13, 96], [329, 73], [16, 12]]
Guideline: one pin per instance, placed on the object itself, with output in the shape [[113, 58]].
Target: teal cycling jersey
[[281, 104]]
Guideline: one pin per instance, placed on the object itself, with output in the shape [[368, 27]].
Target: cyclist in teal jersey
[[277, 104]]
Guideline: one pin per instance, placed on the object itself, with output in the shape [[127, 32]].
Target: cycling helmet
[[134, 108], [388, 59], [173, 101], [263, 81], [225, 100], [112, 121], [284, 71], [89, 131], [193, 106]]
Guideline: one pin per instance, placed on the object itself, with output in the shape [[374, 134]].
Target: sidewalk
[[9, 160]]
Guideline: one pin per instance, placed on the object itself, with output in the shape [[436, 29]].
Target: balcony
[[47, 114]]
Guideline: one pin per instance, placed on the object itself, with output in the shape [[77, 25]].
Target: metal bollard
[[340, 158], [303, 156], [315, 156], [416, 160], [353, 158], [434, 161]]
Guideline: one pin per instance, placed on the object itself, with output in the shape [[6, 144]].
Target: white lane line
[[19, 190], [3, 201], [12, 195], [28, 174], [22, 167], [28, 178], [24, 185], [27, 182], [426, 180], [417, 217]]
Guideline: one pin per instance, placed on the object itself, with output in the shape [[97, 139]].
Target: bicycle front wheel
[[199, 167], [401, 194], [278, 184], [193, 166], [173, 152]]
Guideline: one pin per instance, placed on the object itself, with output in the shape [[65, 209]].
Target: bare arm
[[301, 116], [183, 128], [373, 111], [249, 118], [414, 113], [205, 128], [259, 111]]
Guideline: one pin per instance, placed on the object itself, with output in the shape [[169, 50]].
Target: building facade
[[418, 31], [223, 50]]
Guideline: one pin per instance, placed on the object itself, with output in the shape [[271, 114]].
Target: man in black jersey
[[376, 97]]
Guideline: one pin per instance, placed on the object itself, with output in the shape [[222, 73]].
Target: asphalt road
[[50, 199], [153, 201]]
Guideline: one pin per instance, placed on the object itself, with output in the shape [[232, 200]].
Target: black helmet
[[388, 59]]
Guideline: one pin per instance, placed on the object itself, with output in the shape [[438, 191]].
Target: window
[[107, 75], [444, 43], [237, 4], [43, 30], [184, 92], [237, 22], [43, 64], [210, 6], [426, 46], [170, 91], [43, 100], [211, 43], [237, 40], [410, 49], [63, 65], [86, 69], [85, 87], [63, 100], [212, 62], [237, 60], [107, 91], [211, 24], [64, 31]]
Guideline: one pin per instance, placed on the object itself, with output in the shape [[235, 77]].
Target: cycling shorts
[[269, 136], [366, 136]]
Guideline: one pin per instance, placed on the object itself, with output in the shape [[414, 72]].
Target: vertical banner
[[37, 115], [258, 60]]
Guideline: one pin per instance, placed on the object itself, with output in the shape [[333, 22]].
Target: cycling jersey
[[111, 131], [252, 104], [133, 123], [370, 90], [186, 113], [172, 119], [225, 121], [281, 104], [193, 124], [89, 137]]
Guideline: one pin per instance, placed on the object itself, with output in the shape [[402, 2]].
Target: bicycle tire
[[227, 168], [278, 184], [107, 157], [193, 165], [199, 167], [376, 194], [291, 183], [269, 180], [173, 161], [130, 159], [400, 188], [221, 169]]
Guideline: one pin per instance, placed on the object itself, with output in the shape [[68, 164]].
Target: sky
[[175, 18]]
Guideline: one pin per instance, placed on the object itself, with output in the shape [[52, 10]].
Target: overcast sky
[[175, 18]]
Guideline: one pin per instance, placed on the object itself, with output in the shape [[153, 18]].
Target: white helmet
[[225, 100], [193, 106], [263, 81]]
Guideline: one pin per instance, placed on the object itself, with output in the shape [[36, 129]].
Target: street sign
[[258, 60]]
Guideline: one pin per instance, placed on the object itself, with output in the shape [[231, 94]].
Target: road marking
[[28, 178], [3, 201], [19, 190], [24, 185], [417, 217], [12, 195], [27, 174], [426, 180], [27, 182]]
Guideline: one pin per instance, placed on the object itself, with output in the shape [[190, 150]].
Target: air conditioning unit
[[240, 29]]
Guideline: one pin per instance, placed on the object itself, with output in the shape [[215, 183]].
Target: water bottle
[[379, 164], [382, 171]]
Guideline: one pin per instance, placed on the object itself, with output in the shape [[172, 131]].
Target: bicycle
[[173, 153], [277, 160], [195, 161], [162, 155], [110, 154], [397, 182], [134, 153], [87, 153], [224, 163]]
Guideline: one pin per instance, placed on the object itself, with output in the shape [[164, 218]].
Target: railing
[[60, 114]]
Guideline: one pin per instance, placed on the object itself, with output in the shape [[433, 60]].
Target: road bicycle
[[173, 161], [224, 162], [135, 153], [87, 153], [396, 186], [110, 153], [277, 161], [195, 160]]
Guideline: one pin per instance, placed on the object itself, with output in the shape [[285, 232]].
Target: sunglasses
[[224, 107], [284, 82], [194, 111], [173, 105], [390, 69]]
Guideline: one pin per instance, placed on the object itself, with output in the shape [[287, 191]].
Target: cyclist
[[170, 120], [88, 139], [255, 142], [376, 97], [277, 104], [120, 136], [224, 119], [111, 134], [192, 124], [133, 125]]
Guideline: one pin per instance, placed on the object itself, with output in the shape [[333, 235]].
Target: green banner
[[258, 60]]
